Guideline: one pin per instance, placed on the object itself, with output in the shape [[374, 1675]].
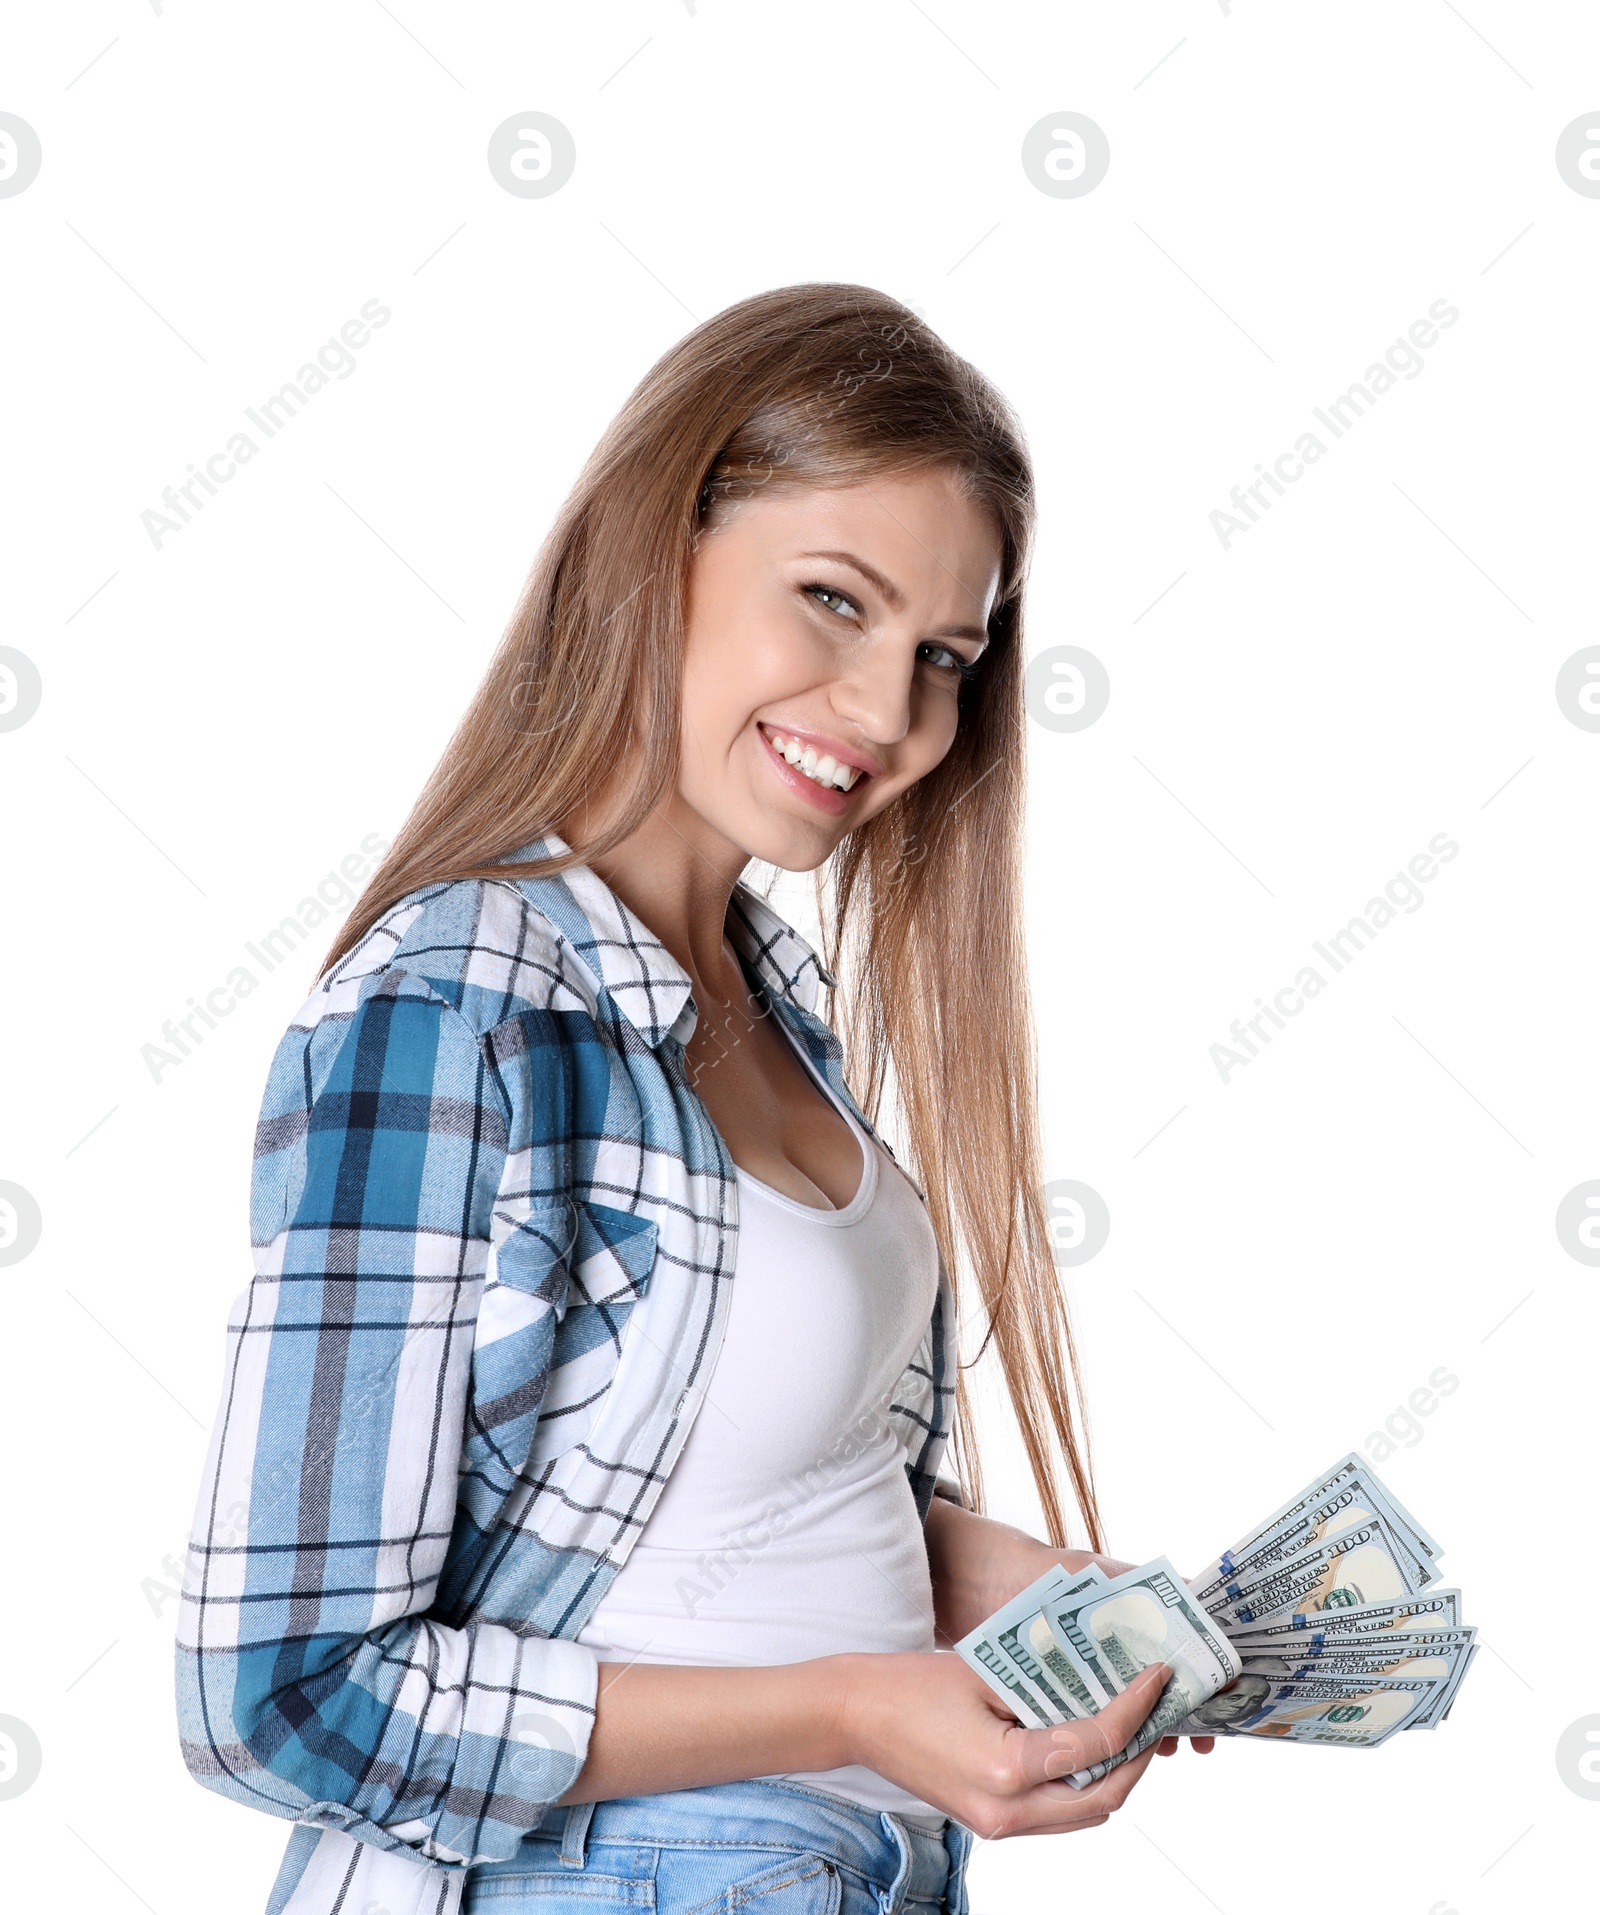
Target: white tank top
[[787, 1528]]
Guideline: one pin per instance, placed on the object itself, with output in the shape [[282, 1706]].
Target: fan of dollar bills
[[1320, 1625]]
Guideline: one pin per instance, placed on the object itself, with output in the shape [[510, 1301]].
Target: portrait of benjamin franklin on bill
[[1231, 1706]]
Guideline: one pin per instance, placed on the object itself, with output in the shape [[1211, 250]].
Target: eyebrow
[[894, 596]]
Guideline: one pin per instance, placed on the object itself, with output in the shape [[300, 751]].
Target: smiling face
[[827, 632]]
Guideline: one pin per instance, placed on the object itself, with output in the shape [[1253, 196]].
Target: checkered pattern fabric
[[494, 1236]]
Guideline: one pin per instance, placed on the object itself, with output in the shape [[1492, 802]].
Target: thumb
[[1056, 1752]]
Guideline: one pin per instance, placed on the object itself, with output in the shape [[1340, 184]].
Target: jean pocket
[[803, 1884]]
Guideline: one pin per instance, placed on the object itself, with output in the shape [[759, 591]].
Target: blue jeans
[[774, 1848]]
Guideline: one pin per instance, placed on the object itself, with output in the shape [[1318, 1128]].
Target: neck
[[677, 874]]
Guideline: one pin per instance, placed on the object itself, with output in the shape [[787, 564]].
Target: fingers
[[1065, 1809], [1204, 1744], [1078, 1745], [1048, 1755], [1054, 1807], [1112, 1790], [1068, 1828]]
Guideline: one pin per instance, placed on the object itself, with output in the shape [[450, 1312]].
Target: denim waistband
[[904, 1865]]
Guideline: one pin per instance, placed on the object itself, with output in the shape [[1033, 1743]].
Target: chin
[[773, 834], [790, 844], [790, 850]]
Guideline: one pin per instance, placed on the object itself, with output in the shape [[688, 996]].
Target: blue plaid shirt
[[494, 1236]]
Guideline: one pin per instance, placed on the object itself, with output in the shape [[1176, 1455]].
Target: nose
[[874, 693]]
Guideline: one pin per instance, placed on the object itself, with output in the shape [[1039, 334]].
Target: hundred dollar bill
[[1450, 1664], [1374, 1652], [1011, 1667], [1349, 1495], [1436, 1608], [982, 1653], [1359, 1711], [1006, 1681], [1053, 1670], [1348, 1506], [1351, 1469], [1442, 1704], [1442, 1654], [1445, 1653], [1359, 1653], [1363, 1565], [1143, 1616]]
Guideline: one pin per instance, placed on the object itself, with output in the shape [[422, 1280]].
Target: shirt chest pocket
[[607, 1256]]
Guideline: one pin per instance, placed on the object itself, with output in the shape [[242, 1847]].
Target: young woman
[[572, 1532]]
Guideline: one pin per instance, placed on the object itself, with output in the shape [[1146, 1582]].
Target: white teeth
[[822, 770]]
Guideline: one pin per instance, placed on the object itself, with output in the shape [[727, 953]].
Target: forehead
[[921, 530]]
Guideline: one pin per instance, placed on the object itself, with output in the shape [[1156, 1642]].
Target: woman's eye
[[947, 659], [824, 593]]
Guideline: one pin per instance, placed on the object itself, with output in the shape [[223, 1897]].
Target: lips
[[820, 765], [828, 797]]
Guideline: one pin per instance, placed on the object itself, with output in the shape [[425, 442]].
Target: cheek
[[737, 663], [775, 652], [712, 709], [724, 684], [934, 717]]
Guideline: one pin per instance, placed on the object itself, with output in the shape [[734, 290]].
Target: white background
[[1291, 719]]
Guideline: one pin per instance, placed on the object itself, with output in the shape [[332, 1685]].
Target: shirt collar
[[646, 982]]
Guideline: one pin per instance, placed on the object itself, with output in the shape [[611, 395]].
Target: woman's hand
[[978, 1564], [930, 1724]]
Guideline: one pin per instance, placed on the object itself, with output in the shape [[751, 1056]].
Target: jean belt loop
[[890, 1900], [958, 1846], [573, 1833]]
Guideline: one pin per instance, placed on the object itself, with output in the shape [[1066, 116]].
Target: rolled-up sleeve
[[323, 1673]]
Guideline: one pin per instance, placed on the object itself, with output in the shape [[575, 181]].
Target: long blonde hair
[[922, 905]]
